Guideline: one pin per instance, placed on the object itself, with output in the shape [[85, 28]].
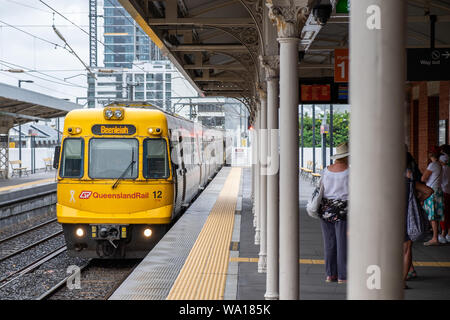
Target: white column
[[257, 204], [272, 191], [289, 17], [377, 196], [262, 261], [289, 188]]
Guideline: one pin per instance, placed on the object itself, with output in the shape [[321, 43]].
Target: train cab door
[[176, 152], [183, 171]]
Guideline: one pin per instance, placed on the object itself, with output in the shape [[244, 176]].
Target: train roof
[[147, 105]]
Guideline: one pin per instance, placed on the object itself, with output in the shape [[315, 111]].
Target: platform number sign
[[341, 65]]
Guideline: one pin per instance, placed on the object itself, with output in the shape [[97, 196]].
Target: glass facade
[[126, 42], [141, 72]]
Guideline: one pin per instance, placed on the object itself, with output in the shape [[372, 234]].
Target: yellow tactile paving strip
[[445, 264], [204, 273], [17, 186]]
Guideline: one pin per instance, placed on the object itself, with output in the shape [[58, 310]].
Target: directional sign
[[341, 62], [428, 64]]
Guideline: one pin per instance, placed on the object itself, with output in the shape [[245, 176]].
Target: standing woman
[[444, 237], [333, 214], [434, 205], [421, 192]]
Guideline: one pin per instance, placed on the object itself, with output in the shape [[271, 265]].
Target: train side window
[[72, 158], [156, 164]]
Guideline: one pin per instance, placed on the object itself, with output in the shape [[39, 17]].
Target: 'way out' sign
[[428, 64]]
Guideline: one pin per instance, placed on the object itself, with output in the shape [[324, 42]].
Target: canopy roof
[[25, 105]]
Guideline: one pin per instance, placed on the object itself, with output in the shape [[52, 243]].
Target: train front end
[[115, 184]]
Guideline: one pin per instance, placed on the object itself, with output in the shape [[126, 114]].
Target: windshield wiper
[[126, 170]]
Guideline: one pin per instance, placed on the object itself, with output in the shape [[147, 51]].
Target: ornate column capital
[[289, 16], [262, 93], [272, 66]]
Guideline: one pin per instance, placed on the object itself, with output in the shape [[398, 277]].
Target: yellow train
[[125, 173]]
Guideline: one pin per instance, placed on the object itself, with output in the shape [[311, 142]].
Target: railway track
[[31, 266], [98, 280]]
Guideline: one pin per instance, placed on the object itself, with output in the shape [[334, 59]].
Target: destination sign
[[113, 129]]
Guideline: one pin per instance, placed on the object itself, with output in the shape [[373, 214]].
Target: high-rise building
[[134, 67], [125, 41]]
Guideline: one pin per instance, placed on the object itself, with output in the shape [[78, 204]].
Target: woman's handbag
[[416, 219], [313, 205]]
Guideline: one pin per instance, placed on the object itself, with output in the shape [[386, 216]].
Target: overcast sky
[[31, 53]]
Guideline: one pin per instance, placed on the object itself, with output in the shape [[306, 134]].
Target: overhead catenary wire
[[34, 36], [84, 31], [41, 86], [73, 51], [9, 64]]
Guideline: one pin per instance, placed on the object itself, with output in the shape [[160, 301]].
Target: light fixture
[[79, 232], [147, 232], [118, 113], [108, 114]]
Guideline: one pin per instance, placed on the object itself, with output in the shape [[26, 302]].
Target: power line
[[84, 31], [5, 63], [61, 15], [34, 36], [51, 89], [28, 6]]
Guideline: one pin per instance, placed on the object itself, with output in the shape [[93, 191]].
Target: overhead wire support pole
[[92, 50]]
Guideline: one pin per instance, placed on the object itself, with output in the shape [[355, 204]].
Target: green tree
[[341, 121]]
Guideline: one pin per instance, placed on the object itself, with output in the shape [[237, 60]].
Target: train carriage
[[125, 174]]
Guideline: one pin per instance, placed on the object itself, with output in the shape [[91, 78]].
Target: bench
[[48, 163], [17, 169]]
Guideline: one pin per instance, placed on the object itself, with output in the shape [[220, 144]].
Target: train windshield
[[109, 158], [72, 158], [156, 164]]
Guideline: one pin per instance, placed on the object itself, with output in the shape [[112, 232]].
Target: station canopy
[[25, 105], [217, 44]]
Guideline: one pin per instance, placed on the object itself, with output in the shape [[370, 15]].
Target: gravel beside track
[[98, 280], [17, 227], [33, 284]]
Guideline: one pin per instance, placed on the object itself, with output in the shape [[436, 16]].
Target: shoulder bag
[[416, 219], [313, 205]]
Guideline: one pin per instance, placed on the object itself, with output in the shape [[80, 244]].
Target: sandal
[[431, 243]]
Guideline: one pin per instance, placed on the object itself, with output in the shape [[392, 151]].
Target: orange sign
[[315, 92], [341, 62]]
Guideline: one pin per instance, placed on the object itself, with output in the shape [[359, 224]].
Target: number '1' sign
[[341, 62]]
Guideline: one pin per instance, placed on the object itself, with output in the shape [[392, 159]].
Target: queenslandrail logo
[[97, 195]]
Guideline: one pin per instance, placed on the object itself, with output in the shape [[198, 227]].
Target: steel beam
[[220, 22]]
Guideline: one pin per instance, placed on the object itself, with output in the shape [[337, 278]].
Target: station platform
[[27, 198], [17, 188], [26, 181], [209, 254]]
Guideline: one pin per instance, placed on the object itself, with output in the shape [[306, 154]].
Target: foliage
[[341, 121]]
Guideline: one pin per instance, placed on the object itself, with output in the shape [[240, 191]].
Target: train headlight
[[108, 114], [79, 232], [147, 233], [118, 114]]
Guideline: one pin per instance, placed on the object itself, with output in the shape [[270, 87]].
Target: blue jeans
[[335, 248]]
